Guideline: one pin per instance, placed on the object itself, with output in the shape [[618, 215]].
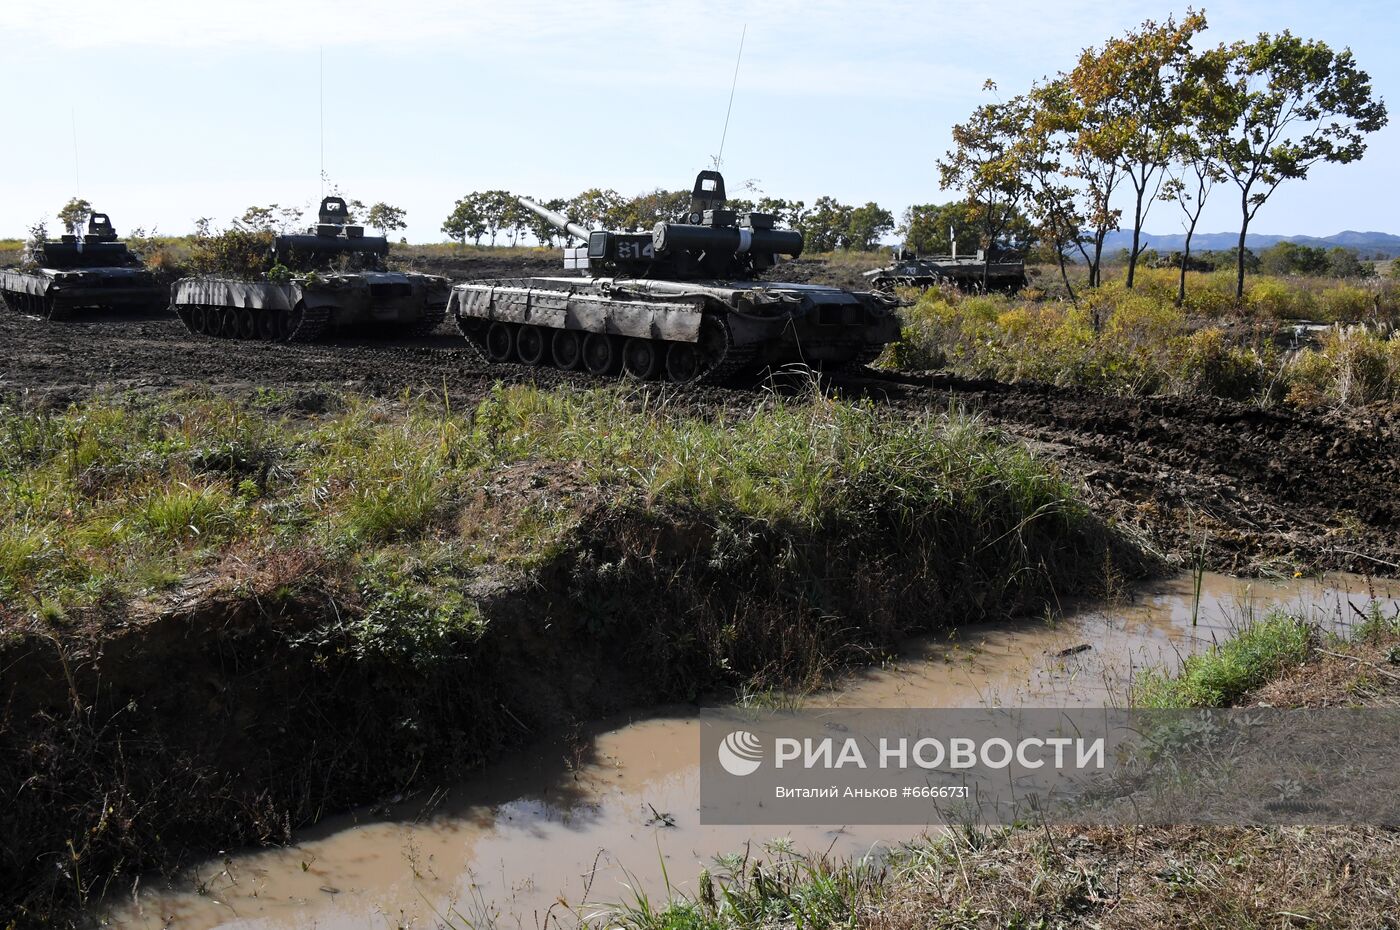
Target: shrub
[[1354, 365], [1274, 299], [238, 253], [1211, 364], [1346, 302]]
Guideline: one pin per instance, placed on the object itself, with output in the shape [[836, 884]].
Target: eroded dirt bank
[[139, 738]]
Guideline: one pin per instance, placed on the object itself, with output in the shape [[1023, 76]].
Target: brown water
[[547, 830]]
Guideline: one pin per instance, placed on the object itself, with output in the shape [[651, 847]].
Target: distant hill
[[1364, 242]]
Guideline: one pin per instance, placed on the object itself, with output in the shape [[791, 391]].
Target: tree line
[[826, 225], [1283, 259], [1152, 116]]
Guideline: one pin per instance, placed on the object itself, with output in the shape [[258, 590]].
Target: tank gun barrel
[[557, 220]]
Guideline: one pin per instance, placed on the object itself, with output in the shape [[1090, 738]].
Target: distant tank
[[999, 270], [94, 270], [329, 277], [684, 301]]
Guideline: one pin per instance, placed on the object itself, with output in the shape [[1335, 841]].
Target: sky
[[194, 108]]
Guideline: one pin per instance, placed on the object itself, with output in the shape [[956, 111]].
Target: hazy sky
[[187, 108]]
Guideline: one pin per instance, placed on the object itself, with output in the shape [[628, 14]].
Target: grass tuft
[[1253, 656]]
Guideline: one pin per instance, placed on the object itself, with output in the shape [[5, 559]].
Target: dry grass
[[1213, 878]]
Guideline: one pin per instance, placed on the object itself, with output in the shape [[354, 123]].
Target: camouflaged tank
[[95, 270], [685, 301], [330, 277], [995, 271]]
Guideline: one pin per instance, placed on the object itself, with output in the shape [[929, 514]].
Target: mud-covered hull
[[306, 309], [56, 294], [658, 328], [963, 274]]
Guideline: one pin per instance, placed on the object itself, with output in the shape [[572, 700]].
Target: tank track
[[863, 358], [477, 340], [29, 305], [430, 322], [735, 360], [313, 324], [732, 360]]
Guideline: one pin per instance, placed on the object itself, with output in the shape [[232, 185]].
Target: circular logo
[[741, 753]]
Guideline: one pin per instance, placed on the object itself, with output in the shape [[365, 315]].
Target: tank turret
[[333, 235], [712, 242]]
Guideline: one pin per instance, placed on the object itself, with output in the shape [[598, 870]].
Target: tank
[[333, 276], [686, 301], [95, 270], [997, 270]]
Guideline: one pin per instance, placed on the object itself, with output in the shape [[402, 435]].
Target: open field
[[1283, 487], [245, 584]]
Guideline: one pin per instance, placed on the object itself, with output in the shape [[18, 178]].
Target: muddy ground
[[1276, 490]]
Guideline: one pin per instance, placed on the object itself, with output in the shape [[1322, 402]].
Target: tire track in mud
[[1260, 489], [1273, 490]]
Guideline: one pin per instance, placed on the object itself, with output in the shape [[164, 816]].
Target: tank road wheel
[[566, 347], [684, 362], [247, 324], [500, 342], [641, 358], [286, 324], [601, 355], [218, 322], [197, 319], [530, 345], [266, 325]]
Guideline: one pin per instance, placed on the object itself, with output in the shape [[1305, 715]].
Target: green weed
[[1219, 677]]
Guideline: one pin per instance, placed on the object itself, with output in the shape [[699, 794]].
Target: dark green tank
[[687, 301], [92, 271], [997, 270], [330, 277]]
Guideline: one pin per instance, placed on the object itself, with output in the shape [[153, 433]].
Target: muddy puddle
[[547, 831]]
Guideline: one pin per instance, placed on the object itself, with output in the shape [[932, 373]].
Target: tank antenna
[[77, 176], [719, 159], [323, 120]]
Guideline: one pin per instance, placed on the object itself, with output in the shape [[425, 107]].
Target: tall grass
[[107, 493], [785, 889], [1139, 342]]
